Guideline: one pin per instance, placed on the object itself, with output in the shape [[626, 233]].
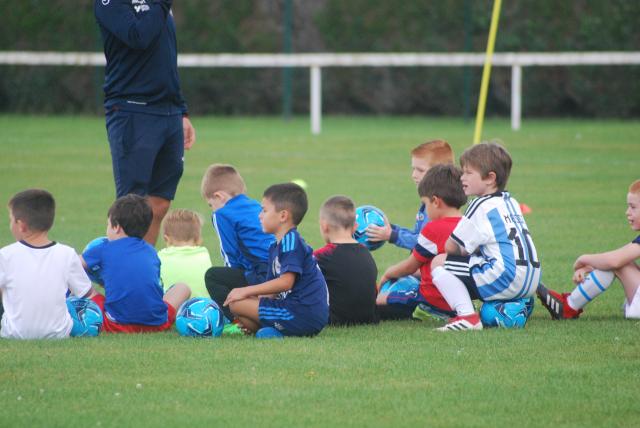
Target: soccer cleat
[[424, 312], [269, 333], [232, 329], [465, 322], [556, 304]]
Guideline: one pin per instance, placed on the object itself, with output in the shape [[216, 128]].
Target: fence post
[[516, 96], [316, 100]]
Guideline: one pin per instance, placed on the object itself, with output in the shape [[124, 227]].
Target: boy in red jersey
[[441, 192]]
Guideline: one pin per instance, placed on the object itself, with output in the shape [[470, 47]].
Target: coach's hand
[[189, 133]]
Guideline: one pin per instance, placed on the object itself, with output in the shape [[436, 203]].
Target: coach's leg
[[159, 206]]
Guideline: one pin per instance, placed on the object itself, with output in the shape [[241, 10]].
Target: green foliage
[[574, 175], [217, 26]]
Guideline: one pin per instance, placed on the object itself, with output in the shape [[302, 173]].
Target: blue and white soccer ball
[[95, 272], [200, 317], [406, 285], [365, 216], [86, 315], [506, 314]]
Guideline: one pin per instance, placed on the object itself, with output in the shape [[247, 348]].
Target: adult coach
[[146, 116]]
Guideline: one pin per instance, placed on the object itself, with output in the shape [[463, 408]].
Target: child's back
[[185, 264], [35, 272], [130, 269], [347, 266], [34, 282], [351, 273], [243, 244]]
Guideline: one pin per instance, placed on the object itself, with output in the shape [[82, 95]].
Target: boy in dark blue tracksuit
[[146, 115]]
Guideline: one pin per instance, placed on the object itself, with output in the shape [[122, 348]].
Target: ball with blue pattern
[[86, 315], [406, 285], [95, 272], [367, 215], [506, 314], [200, 317]]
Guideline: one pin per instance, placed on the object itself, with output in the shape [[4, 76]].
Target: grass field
[[573, 174]]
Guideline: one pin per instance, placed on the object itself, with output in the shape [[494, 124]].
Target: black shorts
[[459, 267], [147, 153]]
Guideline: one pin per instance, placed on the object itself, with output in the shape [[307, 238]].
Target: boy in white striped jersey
[[490, 254]]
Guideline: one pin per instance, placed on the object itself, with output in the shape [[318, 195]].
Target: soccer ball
[[86, 315], [506, 314], [406, 285], [200, 317], [94, 273], [366, 215]]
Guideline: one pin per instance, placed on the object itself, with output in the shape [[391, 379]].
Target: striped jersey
[[503, 259]]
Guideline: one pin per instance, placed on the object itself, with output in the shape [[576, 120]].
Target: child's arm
[[283, 283], [611, 260], [452, 247], [406, 267]]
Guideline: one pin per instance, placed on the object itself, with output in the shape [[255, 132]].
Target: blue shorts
[[147, 153], [289, 319]]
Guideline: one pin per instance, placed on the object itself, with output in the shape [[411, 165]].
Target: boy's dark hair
[[486, 157], [290, 197], [133, 213], [339, 211], [443, 181], [35, 207]]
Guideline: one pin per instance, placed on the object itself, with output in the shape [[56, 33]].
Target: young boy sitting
[[35, 272], [441, 192], [347, 266], [594, 273], [184, 259], [423, 157], [133, 300], [243, 244], [490, 254], [294, 300]]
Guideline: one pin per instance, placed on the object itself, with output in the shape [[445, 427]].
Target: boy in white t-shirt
[[35, 272]]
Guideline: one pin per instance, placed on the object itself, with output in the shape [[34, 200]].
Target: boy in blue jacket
[[244, 247]]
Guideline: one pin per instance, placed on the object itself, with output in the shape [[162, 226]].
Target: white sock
[[453, 291], [593, 285]]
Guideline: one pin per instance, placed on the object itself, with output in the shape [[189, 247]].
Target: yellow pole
[[486, 71]]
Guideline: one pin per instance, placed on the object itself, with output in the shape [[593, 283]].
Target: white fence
[[315, 62]]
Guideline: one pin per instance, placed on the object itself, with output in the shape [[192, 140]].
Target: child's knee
[[438, 261]]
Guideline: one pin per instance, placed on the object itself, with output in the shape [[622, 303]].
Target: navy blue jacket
[[142, 60]]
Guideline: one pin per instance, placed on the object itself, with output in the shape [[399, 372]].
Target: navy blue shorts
[[147, 153], [288, 319]]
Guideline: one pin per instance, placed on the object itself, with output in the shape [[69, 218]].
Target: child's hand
[[379, 233], [581, 273], [236, 294]]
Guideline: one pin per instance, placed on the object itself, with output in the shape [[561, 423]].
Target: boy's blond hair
[[221, 177], [183, 225], [434, 152], [487, 157], [339, 211], [634, 188]]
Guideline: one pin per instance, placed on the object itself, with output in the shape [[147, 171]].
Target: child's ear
[[22, 226], [284, 215], [492, 176], [167, 240]]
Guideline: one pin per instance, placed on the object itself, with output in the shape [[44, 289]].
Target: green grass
[[574, 174]]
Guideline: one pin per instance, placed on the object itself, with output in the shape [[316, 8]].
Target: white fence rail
[[315, 63]]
